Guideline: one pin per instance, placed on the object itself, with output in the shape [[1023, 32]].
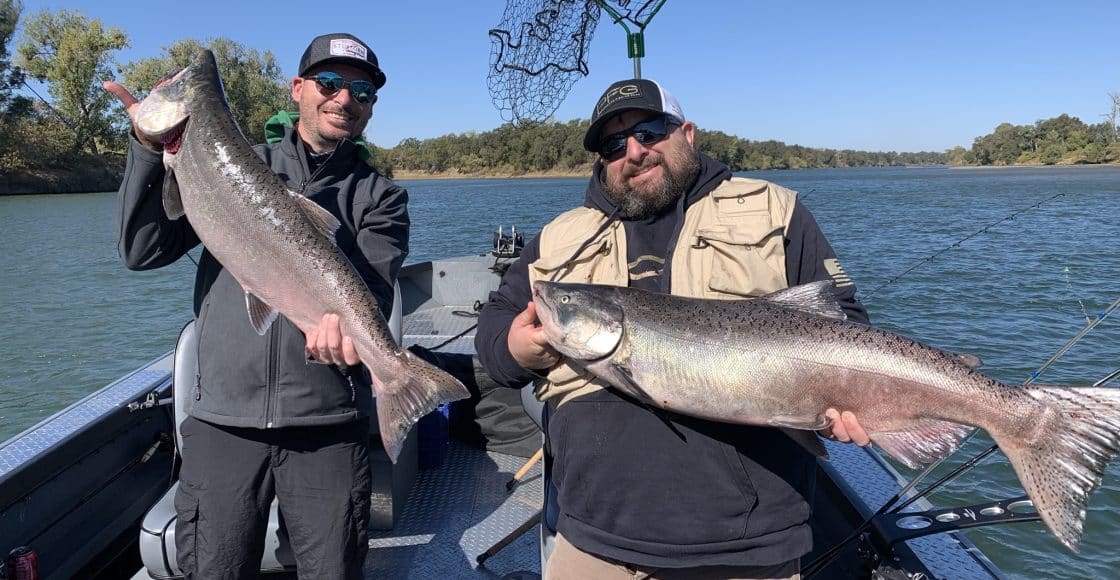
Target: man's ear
[[297, 88]]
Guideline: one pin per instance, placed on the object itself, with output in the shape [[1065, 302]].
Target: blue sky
[[868, 75]]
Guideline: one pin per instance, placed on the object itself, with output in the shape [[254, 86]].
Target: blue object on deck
[[432, 434]]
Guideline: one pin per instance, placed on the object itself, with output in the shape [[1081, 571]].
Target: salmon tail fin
[[1062, 467], [415, 391]]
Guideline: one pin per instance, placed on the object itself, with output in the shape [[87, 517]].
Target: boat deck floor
[[457, 512]]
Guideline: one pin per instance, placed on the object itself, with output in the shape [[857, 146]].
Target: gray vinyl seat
[[550, 510], [390, 482]]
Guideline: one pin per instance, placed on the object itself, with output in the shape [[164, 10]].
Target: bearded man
[[646, 493]]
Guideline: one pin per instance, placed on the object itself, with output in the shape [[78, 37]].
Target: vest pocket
[[564, 259], [743, 260]]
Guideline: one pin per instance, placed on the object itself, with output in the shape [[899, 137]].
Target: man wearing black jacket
[[655, 494], [266, 423]]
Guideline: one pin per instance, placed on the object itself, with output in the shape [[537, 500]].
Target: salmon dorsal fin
[[923, 442], [323, 221], [813, 298], [967, 359], [172, 200], [261, 315]]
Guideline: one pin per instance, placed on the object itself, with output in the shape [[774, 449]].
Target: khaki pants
[[568, 562]]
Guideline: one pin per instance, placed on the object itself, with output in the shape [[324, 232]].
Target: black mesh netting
[[539, 50]]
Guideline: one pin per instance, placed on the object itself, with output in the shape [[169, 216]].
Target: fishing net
[[539, 50]]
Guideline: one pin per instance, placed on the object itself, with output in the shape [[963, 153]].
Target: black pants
[[319, 475]]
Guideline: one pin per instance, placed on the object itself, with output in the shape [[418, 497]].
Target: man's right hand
[[131, 104], [528, 343]]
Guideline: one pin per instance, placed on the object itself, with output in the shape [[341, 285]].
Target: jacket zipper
[[272, 387]]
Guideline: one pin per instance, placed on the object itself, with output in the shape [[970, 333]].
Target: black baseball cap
[[342, 48], [641, 94]]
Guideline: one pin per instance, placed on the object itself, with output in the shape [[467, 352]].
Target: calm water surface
[[74, 319]]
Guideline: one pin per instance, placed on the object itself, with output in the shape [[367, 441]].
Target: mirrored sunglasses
[[647, 133], [330, 83]]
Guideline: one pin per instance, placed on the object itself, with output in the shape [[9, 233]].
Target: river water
[[1006, 264]]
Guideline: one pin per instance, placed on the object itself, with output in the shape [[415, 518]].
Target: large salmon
[[279, 245], [783, 359]]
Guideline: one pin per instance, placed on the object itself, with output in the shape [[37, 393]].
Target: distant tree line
[[555, 146], [70, 55], [1062, 139]]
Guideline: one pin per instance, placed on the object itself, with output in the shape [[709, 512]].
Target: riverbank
[[90, 177], [456, 174], [83, 176]]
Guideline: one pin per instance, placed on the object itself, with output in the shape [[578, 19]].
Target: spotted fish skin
[[783, 359], [279, 245]]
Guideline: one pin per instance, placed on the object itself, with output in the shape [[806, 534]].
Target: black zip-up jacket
[[635, 489], [248, 380]]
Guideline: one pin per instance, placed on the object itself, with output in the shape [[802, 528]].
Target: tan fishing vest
[[731, 246]]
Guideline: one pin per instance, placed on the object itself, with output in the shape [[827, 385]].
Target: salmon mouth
[[173, 139]]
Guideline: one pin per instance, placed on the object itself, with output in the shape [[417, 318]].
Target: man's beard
[[681, 165]]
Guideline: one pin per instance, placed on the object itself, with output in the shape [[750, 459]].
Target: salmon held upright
[[783, 359], [279, 245]]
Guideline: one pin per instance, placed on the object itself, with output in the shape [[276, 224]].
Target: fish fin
[[923, 442], [172, 200], [323, 221], [967, 359], [1080, 434], [809, 440], [627, 377], [261, 315], [406, 396], [813, 298], [800, 422]]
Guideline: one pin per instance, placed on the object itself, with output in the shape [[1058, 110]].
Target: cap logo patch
[[347, 47], [617, 94]]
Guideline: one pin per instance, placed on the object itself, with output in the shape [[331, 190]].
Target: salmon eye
[[565, 299]]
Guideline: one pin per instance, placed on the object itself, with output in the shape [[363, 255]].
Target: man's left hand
[[327, 344], [845, 428]]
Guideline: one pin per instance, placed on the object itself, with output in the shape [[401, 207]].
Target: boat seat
[[550, 509], [390, 483]]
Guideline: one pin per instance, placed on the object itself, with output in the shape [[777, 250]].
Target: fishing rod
[[49, 107], [826, 558], [958, 243]]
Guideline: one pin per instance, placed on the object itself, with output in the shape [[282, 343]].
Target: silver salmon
[[279, 245], [783, 359]]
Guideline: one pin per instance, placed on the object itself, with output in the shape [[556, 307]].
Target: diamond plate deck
[[457, 512]]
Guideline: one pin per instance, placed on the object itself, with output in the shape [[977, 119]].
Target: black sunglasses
[[330, 83], [647, 133]]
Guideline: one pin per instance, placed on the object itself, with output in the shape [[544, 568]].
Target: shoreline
[[399, 174]]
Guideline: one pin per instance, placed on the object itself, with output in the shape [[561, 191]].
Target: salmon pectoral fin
[[261, 315], [923, 442], [172, 199], [814, 423], [321, 219], [408, 396]]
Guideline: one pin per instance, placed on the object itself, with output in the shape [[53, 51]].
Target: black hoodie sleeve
[[491, 338], [807, 252], [146, 238]]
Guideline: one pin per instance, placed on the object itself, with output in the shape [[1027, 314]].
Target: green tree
[[11, 77], [72, 54], [255, 87]]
